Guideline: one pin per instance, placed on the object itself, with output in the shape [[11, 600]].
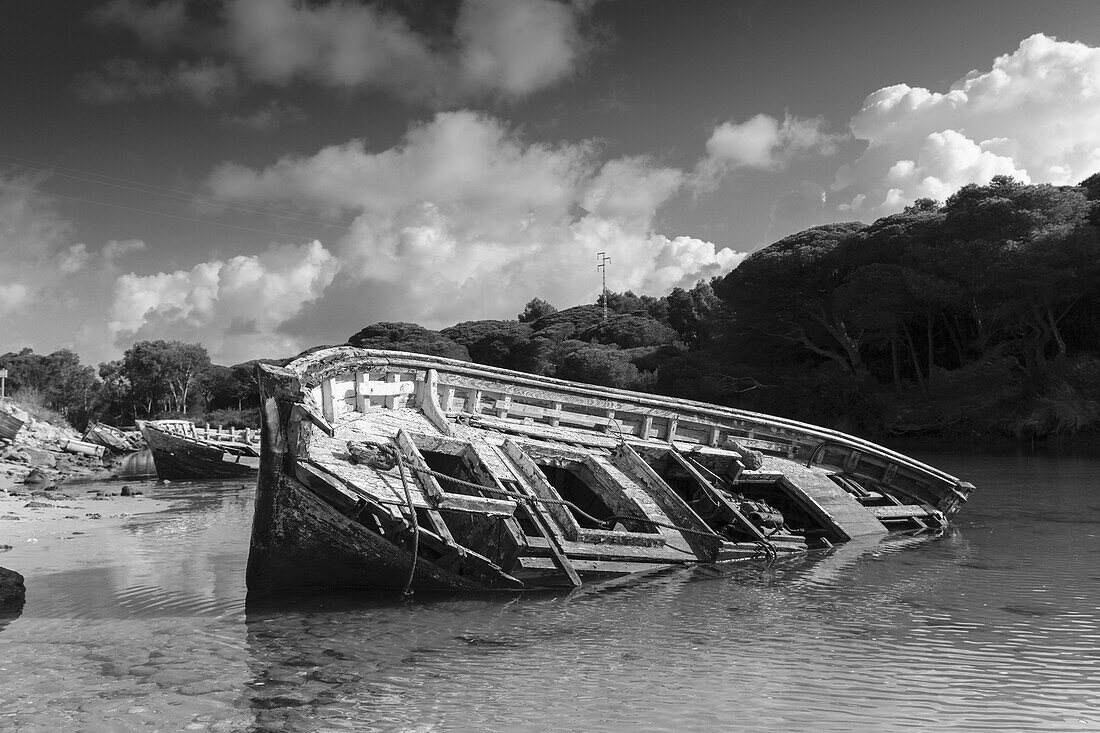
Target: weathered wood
[[835, 508], [9, 426], [426, 401], [717, 495], [905, 511], [177, 455], [564, 526], [670, 502], [496, 430], [389, 388]]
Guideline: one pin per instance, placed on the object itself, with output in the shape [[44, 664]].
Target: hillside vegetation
[[978, 317]]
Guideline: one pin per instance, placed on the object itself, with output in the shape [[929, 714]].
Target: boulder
[[40, 457], [13, 593], [36, 476]]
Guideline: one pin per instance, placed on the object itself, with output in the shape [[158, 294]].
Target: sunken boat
[[114, 439], [401, 471], [181, 451]]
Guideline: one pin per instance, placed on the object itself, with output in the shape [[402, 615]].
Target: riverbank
[[48, 491]]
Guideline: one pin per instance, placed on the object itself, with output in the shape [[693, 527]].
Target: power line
[[182, 195], [164, 192]]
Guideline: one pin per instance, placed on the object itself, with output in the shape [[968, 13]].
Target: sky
[[263, 176]]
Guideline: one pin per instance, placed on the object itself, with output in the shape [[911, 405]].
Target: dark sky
[[264, 175]]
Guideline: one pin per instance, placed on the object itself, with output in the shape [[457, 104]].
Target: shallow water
[[992, 626]]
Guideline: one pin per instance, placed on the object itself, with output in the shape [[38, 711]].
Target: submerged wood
[[180, 451], [515, 481]]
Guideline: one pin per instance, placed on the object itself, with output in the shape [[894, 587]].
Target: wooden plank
[[386, 389], [593, 566], [426, 401], [531, 476], [541, 518], [428, 482], [477, 505], [840, 512], [328, 409], [390, 400], [670, 502], [9, 426], [719, 496], [905, 511], [361, 402]]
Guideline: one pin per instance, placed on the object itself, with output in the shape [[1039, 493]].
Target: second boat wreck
[[404, 471], [181, 451]]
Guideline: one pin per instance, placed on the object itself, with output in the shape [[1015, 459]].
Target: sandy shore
[[30, 514]]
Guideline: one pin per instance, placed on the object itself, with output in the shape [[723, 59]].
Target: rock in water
[[35, 476], [379, 456], [13, 594]]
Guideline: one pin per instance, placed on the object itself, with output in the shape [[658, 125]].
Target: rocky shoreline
[[49, 492]]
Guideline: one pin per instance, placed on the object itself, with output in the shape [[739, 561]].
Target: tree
[[785, 291], [408, 337], [59, 379], [627, 331], [496, 343], [535, 309], [594, 365], [164, 373], [693, 312], [218, 388]]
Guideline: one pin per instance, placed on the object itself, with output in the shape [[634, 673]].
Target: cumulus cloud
[[464, 219], [764, 143], [116, 248], [1034, 114], [232, 307], [13, 296], [493, 48]]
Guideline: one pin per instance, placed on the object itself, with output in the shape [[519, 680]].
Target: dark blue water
[[144, 625]]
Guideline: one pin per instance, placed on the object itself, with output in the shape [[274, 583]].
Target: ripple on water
[[990, 626]]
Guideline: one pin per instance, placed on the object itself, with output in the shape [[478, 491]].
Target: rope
[[416, 526]]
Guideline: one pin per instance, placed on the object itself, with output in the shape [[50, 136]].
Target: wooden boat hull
[[9, 426], [370, 459], [177, 458], [306, 543]]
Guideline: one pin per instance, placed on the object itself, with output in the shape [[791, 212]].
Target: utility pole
[[602, 267]]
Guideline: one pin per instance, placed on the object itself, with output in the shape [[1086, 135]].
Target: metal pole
[[603, 260]]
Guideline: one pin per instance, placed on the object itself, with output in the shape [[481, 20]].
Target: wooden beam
[[545, 524], [426, 401], [715, 494]]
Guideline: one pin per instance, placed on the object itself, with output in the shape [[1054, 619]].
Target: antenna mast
[[603, 259]]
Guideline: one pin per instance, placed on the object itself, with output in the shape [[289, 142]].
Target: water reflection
[[991, 625]]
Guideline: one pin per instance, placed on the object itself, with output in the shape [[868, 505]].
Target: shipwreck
[[182, 451], [404, 471]]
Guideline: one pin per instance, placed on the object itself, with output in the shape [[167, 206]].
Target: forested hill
[[978, 317]]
